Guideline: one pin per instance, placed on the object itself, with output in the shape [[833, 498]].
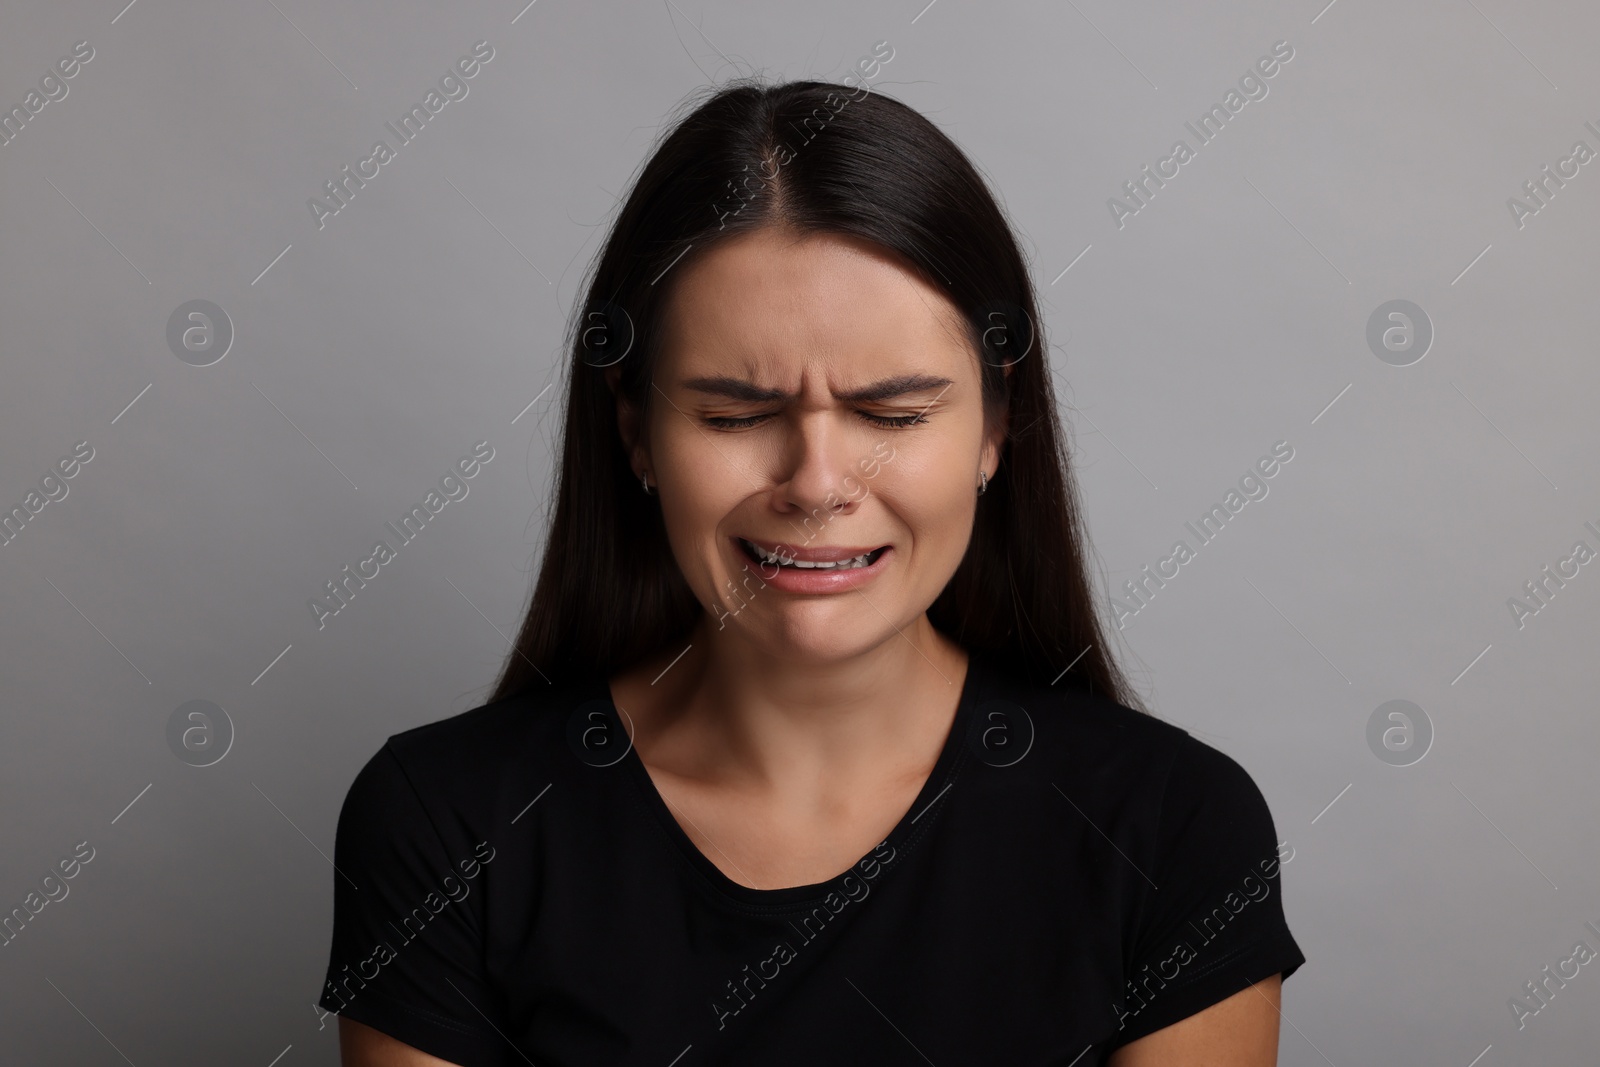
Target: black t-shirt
[[511, 888]]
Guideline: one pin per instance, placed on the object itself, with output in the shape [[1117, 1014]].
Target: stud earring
[[983, 483]]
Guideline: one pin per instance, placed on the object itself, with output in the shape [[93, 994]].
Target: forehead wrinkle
[[808, 306], [828, 365]]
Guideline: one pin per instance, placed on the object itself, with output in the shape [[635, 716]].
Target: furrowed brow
[[734, 389], [887, 389]]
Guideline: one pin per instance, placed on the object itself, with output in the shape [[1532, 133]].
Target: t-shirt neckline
[[916, 820]]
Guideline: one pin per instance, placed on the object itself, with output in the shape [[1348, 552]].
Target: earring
[[644, 480], [983, 483]]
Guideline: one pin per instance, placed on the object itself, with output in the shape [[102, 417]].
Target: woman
[[810, 749]]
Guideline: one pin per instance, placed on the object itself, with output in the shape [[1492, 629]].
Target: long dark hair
[[816, 158]]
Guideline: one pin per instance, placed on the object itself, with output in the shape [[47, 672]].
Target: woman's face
[[812, 396]]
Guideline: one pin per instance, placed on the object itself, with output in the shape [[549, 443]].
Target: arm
[[362, 1046], [1241, 1031], [1211, 948], [406, 968]]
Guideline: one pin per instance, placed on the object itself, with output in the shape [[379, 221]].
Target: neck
[[737, 712]]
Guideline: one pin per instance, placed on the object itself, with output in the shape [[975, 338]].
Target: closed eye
[[896, 421]]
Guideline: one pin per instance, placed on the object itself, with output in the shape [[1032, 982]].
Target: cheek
[[703, 494], [929, 501], [694, 516]]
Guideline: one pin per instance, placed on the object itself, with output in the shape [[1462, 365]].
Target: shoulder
[[1069, 733], [474, 762], [1154, 786]]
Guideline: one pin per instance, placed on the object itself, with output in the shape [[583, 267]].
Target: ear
[[989, 458], [995, 437], [629, 424]]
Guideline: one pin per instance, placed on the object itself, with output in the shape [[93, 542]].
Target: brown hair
[[816, 158]]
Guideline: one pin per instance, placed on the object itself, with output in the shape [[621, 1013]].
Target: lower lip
[[802, 580]]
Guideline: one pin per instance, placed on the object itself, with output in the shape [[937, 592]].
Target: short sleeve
[[407, 956], [1214, 923]]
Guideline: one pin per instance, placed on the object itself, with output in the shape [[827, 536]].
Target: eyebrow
[[888, 388]]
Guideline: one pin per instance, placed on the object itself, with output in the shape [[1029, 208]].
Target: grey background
[[1225, 316]]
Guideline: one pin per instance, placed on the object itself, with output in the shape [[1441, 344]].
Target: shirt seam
[[1148, 895], [479, 931], [433, 1018], [1248, 960], [1166, 788], [417, 793]]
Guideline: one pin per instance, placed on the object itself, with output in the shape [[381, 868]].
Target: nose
[[816, 469]]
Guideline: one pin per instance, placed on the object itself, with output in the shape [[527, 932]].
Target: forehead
[[771, 301]]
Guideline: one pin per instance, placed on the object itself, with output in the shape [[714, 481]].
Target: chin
[[817, 634]]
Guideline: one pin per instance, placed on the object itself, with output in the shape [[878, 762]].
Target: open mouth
[[778, 559]]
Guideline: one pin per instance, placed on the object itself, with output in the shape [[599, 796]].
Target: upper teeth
[[789, 561]]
